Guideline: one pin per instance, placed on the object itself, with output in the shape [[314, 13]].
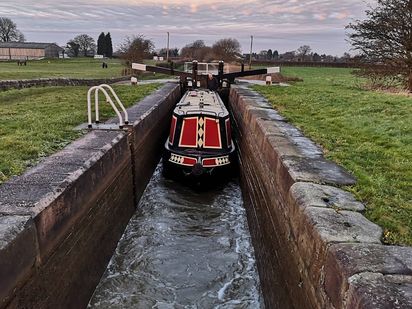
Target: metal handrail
[[109, 100], [126, 116]]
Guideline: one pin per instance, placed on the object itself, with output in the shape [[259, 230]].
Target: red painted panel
[[188, 137], [209, 162], [228, 133], [189, 161], [172, 130], [212, 133]]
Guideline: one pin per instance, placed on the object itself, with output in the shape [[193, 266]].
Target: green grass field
[[36, 122], [367, 132], [73, 67], [69, 68]]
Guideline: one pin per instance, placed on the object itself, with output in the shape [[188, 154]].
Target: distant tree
[[303, 52], [9, 31], [270, 54], [162, 52], [263, 54], [328, 58], [227, 49], [316, 57], [101, 44], [21, 38], [198, 44], [275, 55], [346, 57], [86, 43], [136, 48], [385, 37], [108, 45], [173, 52], [195, 51], [73, 48], [289, 56]]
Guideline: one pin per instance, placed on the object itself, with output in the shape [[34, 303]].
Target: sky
[[278, 25]]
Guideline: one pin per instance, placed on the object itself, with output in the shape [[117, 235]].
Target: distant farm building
[[26, 51]]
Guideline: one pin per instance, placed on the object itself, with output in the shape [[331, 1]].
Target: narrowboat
[[200, 140]]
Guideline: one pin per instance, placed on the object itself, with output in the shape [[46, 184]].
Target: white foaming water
[[183, 249]]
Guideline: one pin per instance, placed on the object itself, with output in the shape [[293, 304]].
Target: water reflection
[[183, 249]]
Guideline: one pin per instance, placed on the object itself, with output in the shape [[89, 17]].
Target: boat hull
[[176, 165]]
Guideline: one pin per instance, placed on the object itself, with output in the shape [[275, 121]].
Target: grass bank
[[36, 122], [72, 68], [367, 132], [86, 68]]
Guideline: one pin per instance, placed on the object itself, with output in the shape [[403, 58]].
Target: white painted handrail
[[96, 104], [126, 116], [109, 100]]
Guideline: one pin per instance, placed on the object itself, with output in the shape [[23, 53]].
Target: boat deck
[[201, 101]]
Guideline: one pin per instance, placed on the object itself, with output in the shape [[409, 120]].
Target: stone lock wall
[[314, 247], [61, 220]]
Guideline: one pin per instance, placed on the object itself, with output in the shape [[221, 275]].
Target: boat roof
[[201, 101]]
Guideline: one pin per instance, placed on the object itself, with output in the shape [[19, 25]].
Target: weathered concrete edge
[[321, 226], [34, 217], [44, 82]]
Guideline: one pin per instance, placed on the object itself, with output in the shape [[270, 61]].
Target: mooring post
[[172, 69], [194, 74], [220, 73]]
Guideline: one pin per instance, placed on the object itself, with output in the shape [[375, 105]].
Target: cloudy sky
[[280, 24]]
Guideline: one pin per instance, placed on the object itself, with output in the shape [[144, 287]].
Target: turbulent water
[[183, 249]]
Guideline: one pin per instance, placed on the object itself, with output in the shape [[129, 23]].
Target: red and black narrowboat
[[200, 140]]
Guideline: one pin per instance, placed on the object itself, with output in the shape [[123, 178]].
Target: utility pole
[[250, 55], [167, 52]]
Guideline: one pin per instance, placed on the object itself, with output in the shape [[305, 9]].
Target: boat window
[[212, 133], [188, 136]]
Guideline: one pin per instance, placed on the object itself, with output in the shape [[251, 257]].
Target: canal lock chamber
[[64, 217], [187, 246]]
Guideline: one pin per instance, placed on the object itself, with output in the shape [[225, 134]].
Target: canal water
[[183, 249]]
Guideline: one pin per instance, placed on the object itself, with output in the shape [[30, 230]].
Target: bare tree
[[9, 31], [303, 51], [197, 51], [86, 43], [21, 38], [227, 49], [136, 48], [385, 37]]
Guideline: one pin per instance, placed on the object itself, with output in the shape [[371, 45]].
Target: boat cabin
[[200, 132]]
